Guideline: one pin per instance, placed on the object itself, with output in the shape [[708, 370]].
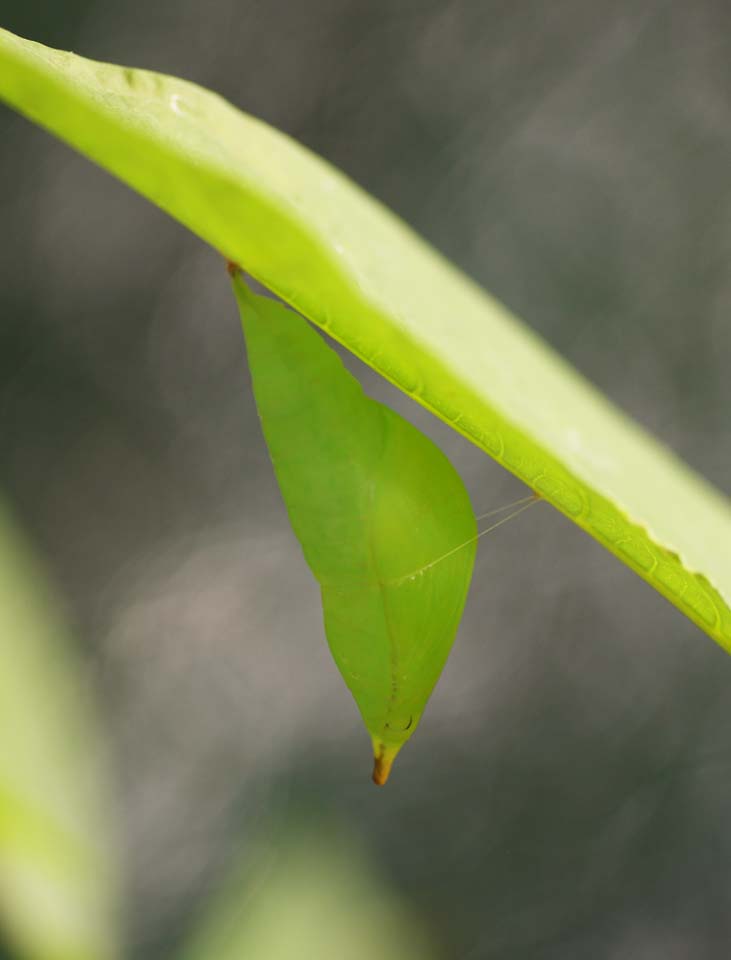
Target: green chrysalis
[[374, 504]]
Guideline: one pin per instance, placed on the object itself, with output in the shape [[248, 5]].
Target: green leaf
[[56, 868], [351, 267], [314, 895], [384, 520]]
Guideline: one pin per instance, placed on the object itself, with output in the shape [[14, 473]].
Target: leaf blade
[[350, 266], [57, 867]]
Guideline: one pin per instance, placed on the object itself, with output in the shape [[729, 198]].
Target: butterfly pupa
[[373, 502]]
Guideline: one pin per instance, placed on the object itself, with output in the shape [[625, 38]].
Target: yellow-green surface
[[316, 897], [56, 876], [384, 520], [324, 246]]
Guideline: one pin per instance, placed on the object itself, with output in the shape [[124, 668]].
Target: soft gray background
[[567, 794]]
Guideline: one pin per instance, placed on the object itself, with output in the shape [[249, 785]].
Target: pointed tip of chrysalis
[[383, 761]]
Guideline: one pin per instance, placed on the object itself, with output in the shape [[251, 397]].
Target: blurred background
[[567, 793]]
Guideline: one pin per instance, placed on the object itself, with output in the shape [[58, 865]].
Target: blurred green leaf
[[349, 265], [56, 866], [316, 897]]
